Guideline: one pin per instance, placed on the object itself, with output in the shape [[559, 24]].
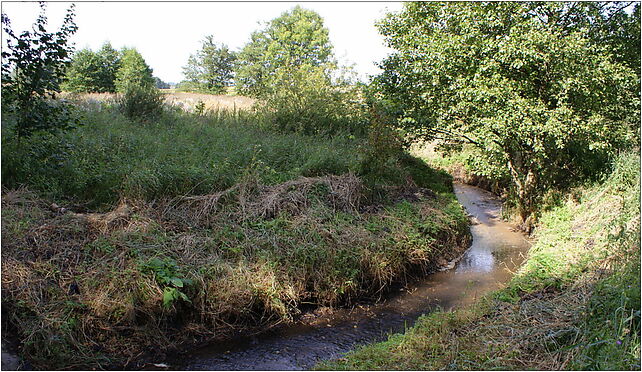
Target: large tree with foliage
[[110, 59], [93, 71], [527, 84], [211, 68], [33, 67], [133, 71], [83, 74], [296, 38]]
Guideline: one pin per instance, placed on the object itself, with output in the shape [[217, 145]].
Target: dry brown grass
[[253, 200], [212, 102], [77, 291], [185, 100]]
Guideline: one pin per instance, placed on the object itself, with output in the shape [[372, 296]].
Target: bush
[[142, 103], [382, 151], [304, 100], [33, 66]]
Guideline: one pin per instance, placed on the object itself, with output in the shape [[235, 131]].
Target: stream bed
[[496, 253]]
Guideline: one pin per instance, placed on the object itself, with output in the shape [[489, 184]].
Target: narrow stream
[[496, 252]]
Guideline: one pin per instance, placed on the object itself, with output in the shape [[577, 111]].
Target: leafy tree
[[296, 38], [133, 70], [211, 69], [93, 71], [160, 84], [138, 97], [111, 63], [620, 31], [84, 72], [542, 101], [604, 23], [305, 100], [32, 70]]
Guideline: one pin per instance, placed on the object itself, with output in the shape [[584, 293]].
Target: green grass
[[199, 227], [575, 304], [109, 157]]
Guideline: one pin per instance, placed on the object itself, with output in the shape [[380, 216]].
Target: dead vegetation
[[103, 289], [185, 100]]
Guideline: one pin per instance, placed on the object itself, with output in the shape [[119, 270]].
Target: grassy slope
[[212, 228], [575, 304]]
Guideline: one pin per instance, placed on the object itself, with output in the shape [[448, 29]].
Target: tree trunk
[[525, 180]]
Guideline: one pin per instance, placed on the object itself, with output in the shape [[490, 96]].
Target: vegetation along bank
[[139, 228], [133, 227], [539, 102]]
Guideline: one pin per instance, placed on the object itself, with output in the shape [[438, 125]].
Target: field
[[184, 100]]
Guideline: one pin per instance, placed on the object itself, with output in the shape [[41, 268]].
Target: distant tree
[[160, 84], [525, 83], [111, 63], [296, 38], [211, 68], [93, 71], [133, 70], [84, 72], [32, 69]]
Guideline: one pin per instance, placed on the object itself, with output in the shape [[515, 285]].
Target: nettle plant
[[167, 273]]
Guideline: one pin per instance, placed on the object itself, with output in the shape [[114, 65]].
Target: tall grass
[[110, 157]]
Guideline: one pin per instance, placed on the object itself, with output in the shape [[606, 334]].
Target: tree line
[[107, 71], [296, 40]]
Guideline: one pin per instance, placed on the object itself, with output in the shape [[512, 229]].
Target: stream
[[496, 253]]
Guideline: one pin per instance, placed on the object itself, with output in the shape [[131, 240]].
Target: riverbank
[[124, 243], [99, 289], [575, 304], [497, 251]]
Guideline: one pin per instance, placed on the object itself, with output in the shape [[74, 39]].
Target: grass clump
[[575, 304]]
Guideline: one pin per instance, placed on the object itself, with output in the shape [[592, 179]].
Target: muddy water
[[496, 252]]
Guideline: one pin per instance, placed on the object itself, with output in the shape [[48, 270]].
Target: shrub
[[383, 149], [143, 103], [304, 100], [32, 69]]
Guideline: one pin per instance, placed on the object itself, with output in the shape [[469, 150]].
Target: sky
[[166, 33]]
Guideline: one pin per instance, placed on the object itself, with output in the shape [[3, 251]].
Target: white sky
[[166, 33]]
